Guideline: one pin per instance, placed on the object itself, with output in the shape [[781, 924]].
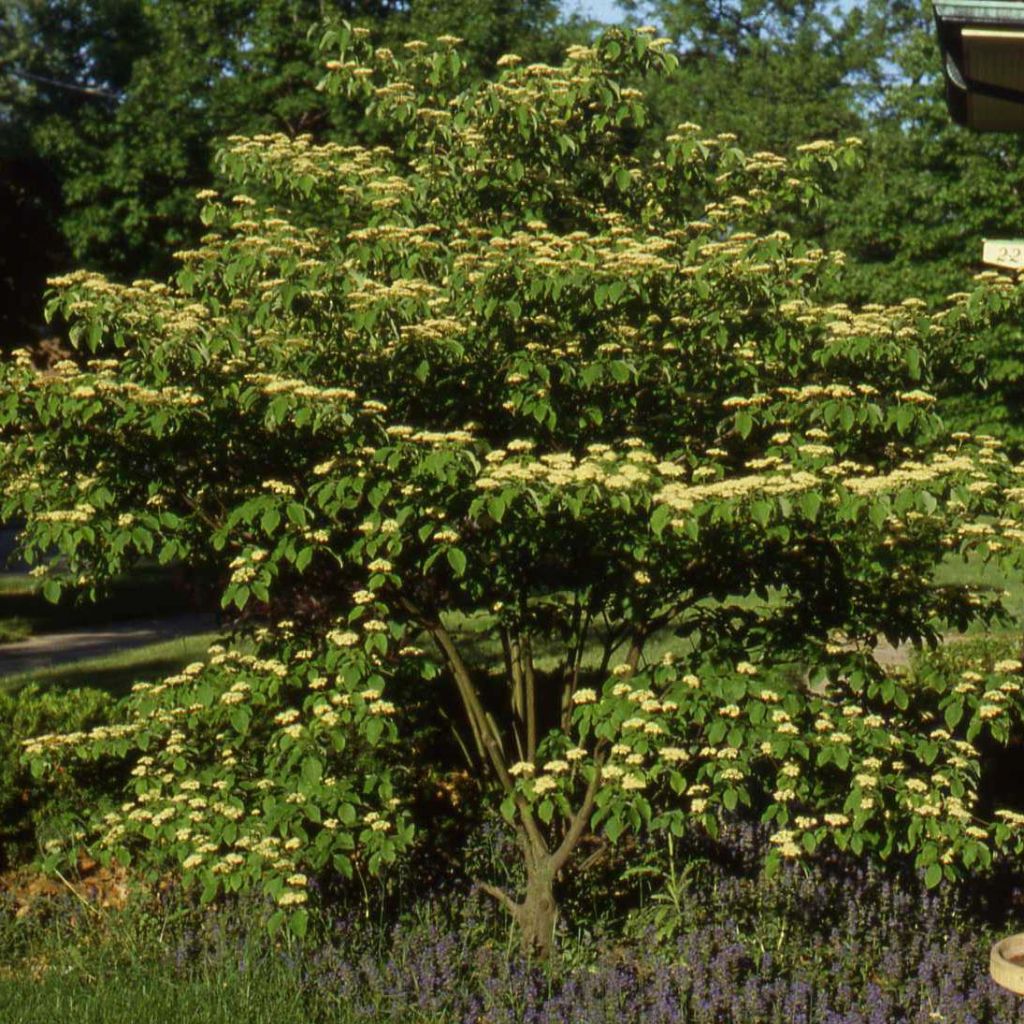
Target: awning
[[983, 61]]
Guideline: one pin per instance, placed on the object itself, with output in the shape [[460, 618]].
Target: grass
[[146, 592], [147, 963], [116, 672], [14, 629], [111, 974], [16, 584], [829, 941], [147, 995], [478, 633], [959, 572]]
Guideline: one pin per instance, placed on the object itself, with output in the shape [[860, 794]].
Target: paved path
[[48, 649], [893, 657]]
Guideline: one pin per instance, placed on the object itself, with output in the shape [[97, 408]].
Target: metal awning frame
[[951, 18]]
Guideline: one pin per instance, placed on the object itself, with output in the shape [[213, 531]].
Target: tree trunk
[[538, 912], [536, 915]]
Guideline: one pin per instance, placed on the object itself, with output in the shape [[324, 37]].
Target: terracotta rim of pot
[[1002, 966]]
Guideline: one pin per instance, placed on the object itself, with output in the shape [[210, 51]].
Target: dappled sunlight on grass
[[116, 673]]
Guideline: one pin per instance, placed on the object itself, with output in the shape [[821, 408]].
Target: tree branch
[[85, 90], [595, 857], [531, 698], [577, 666], [515, 677], [488, 747], [501, 896], [485, 731], [581, 819]]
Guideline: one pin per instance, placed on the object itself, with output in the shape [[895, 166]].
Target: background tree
[[65, 62], [110, 112], [505, 381], [914, 219], [913, 216], [771, 71]]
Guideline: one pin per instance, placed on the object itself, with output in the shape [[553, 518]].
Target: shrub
[[34, 817], [505, 373]]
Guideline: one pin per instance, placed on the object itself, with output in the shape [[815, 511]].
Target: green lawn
[[15, 628], [16, 584], [116, 673], [956, 570], [147, 592]]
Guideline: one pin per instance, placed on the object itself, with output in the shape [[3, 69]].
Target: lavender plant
[[831, 942]]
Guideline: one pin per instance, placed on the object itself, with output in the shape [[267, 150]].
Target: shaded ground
[[145, 593], [91, 885]]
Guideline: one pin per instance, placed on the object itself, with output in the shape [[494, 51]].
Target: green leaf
[[210, 889], [496, 507], [508, 808], [457, 560], [312, 771], [933, 876], [619, 370], [660, 518], [953, 713], [904, 418], [623, 179], [914, 363], [269, 522], [760, 512], [809, 504], [298, 922]]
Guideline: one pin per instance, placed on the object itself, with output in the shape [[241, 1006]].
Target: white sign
[[1008, 253]]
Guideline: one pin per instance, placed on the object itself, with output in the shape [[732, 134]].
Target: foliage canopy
[[111, 112], [505, 372]]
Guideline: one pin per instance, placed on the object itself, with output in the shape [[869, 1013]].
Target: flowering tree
[[504, 384]]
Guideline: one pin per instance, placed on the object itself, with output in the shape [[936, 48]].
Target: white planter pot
[[1006, 964]]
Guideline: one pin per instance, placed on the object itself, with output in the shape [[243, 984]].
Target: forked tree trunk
[[538, 913]]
